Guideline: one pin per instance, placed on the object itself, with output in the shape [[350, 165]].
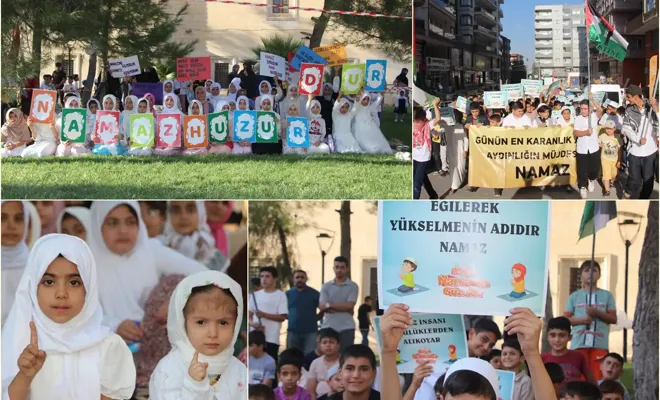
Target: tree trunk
[[285, 255], [645, 325], [91, 73], [320, 24], [545, 345], [15, 43], [345, 226], [37, 35]]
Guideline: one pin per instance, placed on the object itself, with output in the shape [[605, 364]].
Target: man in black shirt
[[313, 355], [358, 369], [59, 79], [364, 321]]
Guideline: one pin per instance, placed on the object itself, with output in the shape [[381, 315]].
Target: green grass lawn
[[335, 176]]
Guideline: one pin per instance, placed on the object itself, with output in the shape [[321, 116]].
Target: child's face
[[208, 84], [47, 79], [210, 320], [586, 275], [293, 91], [232, 88], [344, 108], [12, 117], [184, 217], [266, 106], [264, 88], [289, 375], [93, 107], [337, 383], [609, 131], [73, 104], [557, 106], [215, 91], [46, 211], [475, 113], [365, 101], [108, 104], [316, 109], [61, 292], [195, 109], [511, 358], [169, 102], [232, 106], [327, 91], [255, 350], [566, 114], [516, 272], [611, 368], [329, 346], [611, 396], [242, 105], [120, 230], [544, 114], [480, 344], [215, 210], [496, 362], [293, 111], [199, 94], [168, 87], [407, 267], [129, 103], [358, 374], [70, 79], [241, 92], [142, 107], [493, 122], [73, 227], [558, 339], [153, 219], [13, 223], [518, 113]]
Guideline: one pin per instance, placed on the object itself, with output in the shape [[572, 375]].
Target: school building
[[228, 32], [565, 254]]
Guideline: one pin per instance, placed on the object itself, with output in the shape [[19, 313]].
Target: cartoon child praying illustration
[[518, 271], [406, 275], [452, 353]]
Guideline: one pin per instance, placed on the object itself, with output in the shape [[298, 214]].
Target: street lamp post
[[325, 240], [629, 227]]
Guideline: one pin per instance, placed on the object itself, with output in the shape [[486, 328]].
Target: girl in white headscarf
[[223, 148], [142, 106], [15, 250], [265, 88], [130, 108], [187, 232], [342, 119], [215, 94], [201, 95], [74, 221], [93, 106], [15, 134], [366, 130], [207, 88], [129, 264], [170, 107], [233, 89], [196, 108], [317, 133], [266, 104], [242, 147], [34, 227], [293, 98], [168, 87], [196, 369], [119, 147], [54, 344], [68, 148], [292, 111], [45, 140]]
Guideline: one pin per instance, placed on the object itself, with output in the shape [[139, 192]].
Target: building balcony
[[643, 23], [607, 7], [484, 17], [543, 54], [538, 25], [439, 33], [444, 7], [542, 16], [499, 10], [543, 33], [484, 34], [490, 5], [543, 45]]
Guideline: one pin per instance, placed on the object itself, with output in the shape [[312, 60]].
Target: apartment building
[[560, 41], [458, 43], [506, 59]]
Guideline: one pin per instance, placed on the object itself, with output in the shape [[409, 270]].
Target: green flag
[[607, 40], [595, 216]]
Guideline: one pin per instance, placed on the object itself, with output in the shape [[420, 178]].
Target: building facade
[[560, 42], [637, 22], [506, 59], [458, 44]]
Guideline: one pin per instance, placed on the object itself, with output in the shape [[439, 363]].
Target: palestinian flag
[[607, 40], [595, 216]]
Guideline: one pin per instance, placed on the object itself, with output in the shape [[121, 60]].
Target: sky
[[518, 24]]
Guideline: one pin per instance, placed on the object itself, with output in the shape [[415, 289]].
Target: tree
[[645, 325], [345, 230], [278, 45], [547, 316]]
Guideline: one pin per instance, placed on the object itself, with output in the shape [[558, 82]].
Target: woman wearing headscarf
[[118, 145], [327, 101], [15, 134], [265, 89], [366, 130], [170, 107], [15, 251], [215, 96], [48, 211], [232, 90], [74, 221], [293, 98], [45, 140], [69, 148]]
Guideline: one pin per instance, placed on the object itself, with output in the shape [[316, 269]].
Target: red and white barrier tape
[[357, 13]]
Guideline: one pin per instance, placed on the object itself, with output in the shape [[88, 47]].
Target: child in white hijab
[[142, 106], [34, 228], [233, 88], [317, 133], [54, 344], [196, 108], [293, 98], [15, 134], [187, 232], [207, 88], [170, 107], [74, 221], [93, 106], [342, 120], [45, 140], [366, 130], [130, 108], [201, 364], [129, 264], [168, 87], [266, 104], [215, 94], [113, 149], [68, 148], [223, 148], [292, 111], [15, 251], [265, 88], [242, 147]]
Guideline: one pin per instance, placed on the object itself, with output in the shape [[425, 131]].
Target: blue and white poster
[[306, 55], [375, 75], [507, 379], [463, 257], [245, 126], [297, 132], [437, 338]]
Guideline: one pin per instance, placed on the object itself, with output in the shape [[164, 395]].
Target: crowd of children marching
[[101, 299], [337, 123], [609, 139]]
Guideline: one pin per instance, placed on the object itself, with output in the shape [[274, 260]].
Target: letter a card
[[142, 130], [74, 125], [311, 79]]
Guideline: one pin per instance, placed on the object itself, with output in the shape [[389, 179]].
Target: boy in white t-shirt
[[517, 118], [588, 149], [268, 308]]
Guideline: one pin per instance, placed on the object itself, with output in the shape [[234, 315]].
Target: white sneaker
[[583, 193], [592, 185]]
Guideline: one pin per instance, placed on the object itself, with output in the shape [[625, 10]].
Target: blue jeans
[[303, 341], [365, 336], [420, 178]]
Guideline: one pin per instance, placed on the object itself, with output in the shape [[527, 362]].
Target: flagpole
[[589, 83], [593, 254]]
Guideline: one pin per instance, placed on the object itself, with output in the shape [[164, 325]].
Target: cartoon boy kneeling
[[406, 275]]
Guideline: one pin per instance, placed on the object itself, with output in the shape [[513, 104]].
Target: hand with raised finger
[[31, 359], [527, 326], [422, 371], [395, 320], [197, 370]]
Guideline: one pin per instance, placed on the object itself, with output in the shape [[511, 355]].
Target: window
[[67, 66], [466, 3], [280, 6], [466, 20], [279, 10], [221, 73]]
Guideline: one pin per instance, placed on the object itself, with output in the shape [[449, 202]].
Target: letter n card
[[169, 130], [107, 127], [195, 131], [42, 108], [311, 79], [297, 132], [219, 127]]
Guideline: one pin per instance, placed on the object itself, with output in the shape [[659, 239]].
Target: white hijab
[[266, 97], [173, 110], [166, 82], [98, 107], [220, 104], [176, 329], [77, 340], [16, 257], [236, 82], [188, 244], [208, 92], [127, 279], [137, 104], [82, 214], [214, 99], [71, 99], [35, 223], [247, 102], [114, 102], [270, 88], [199, 104], [311, 115]]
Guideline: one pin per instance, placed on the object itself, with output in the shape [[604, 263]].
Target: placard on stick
[[334, 54], [267, 127], [375, 75], [272, 65], [74, 125], [42, 109], [297, 132], [311, 79], [193, 68], [107, 127], [219, 126], [195, 129], [352, 78], [142, 130], [169, 130]]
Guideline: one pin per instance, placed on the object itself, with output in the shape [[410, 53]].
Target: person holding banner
[[292, 111], [130, 108], [266, 104], [317, 133], [69, 148], [110, 103], [243, 146], [342, 120], [170, 108], [222, 148], [365, 130], [327, 100], [45, 140], [517, 118], [542, 119], [566, 118], [15, 134]]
